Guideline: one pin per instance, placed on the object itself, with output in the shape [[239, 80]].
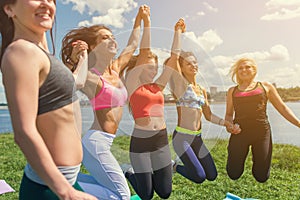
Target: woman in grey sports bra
[[191, 103], [43, 110]]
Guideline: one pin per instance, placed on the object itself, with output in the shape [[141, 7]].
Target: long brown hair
[[7, 28], [87, 34]]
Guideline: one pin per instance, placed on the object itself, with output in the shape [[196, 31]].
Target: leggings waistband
[[187, 131], [69, 172]]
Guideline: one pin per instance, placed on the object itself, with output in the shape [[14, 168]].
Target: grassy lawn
[[284, 182]]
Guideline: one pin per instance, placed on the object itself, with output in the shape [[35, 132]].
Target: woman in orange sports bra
[[107, 96], [149, 147]]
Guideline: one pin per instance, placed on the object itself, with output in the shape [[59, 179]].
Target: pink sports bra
[[109, 96]]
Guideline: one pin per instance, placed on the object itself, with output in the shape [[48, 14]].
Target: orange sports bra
[[109, 96], [147, 100]]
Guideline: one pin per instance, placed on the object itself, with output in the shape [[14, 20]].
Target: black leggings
[[198, 162], [151, 160], [260, 140]]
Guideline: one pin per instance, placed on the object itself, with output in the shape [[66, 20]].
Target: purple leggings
[[198, 162]]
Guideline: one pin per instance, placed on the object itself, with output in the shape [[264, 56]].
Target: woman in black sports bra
[[246, 106]]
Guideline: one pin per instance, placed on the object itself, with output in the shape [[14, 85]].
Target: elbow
[[79, 86], [135, 45], [19, 136], [208, 118]]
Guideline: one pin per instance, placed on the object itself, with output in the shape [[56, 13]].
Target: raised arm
[[132, 82], [280, 106], [132, 44], [172, 71]]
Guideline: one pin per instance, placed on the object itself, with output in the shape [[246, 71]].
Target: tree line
[[289, 94]]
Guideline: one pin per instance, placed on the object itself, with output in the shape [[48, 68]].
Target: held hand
[[233, 128], [180, 25], [79, 47], [145, 12]]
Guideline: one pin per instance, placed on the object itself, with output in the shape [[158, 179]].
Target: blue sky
[[218, 32]]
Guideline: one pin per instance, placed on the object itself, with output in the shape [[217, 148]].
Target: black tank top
[[58, 89], [250, 106]]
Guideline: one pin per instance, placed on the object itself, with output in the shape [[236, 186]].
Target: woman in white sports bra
[[191, 103]]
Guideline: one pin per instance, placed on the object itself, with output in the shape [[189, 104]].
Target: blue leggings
[[198, 162]]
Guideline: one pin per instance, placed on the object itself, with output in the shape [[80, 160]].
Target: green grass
[[284, 182]]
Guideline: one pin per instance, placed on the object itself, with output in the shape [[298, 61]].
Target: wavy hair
[[235, 67], [89, 35]]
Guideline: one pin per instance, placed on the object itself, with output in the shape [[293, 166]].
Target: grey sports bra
[[58, 89], [191, 99]]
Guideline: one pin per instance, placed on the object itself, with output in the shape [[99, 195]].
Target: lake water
[[283, 131]]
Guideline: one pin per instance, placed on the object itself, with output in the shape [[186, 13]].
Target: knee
[[212, 177], [261, 178], [163, 191], [146, 196], [233, 175], [198, 179], [164, 195], [126, 195]]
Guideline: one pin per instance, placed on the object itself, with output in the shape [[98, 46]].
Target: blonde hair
[[234, 69]]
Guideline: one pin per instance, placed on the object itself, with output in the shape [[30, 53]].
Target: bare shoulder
[[230, 90], [268, 86], [22, 52], [21, 48]]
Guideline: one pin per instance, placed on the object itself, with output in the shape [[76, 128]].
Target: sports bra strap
[[96, 71]]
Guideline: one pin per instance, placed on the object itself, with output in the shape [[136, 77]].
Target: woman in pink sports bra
[[107, 96]]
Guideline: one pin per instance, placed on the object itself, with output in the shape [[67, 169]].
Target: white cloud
[[281, 3], [276, 54], [282, 14], [102, 11], [113, 17], [209, 40], [279, 76], [200, 13], [282, 10], [209, 7]]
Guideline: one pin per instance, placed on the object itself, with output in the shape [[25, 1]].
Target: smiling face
[[106, 42], [189, 66], [35, 15], [246, 71]]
